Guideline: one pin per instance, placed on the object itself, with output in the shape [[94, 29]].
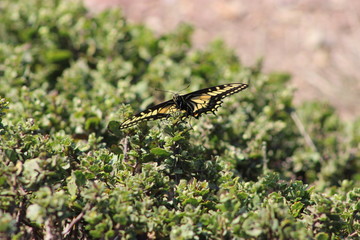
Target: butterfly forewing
[[198, 102], [210, 99]]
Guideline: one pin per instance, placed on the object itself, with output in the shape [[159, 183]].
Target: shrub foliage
[[262, 168]]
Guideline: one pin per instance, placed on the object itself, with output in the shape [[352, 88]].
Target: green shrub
[[252, 171]]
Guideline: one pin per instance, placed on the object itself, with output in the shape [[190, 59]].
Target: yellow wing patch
[[201, 99], [168, 109]]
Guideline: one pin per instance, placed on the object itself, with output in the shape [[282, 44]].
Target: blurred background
[[316, 41]]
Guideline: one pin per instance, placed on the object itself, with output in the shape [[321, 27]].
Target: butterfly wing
[[210, 99], [162, 110]]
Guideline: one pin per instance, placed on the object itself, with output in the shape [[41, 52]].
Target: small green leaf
[[80, 178], [252, 227], [322, 236], [108, 168], [92, 123], [296, 208], [58, 55], [35, 213], [115, 149], [114, 128], [71, 185], [32, 170], [160, 152]]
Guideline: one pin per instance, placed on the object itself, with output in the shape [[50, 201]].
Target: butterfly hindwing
[[210, 99]]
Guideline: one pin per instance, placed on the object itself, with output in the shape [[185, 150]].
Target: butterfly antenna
[[185, 88], [160, 90], [166, 91], [172, 92]]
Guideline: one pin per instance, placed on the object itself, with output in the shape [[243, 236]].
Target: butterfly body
[[182, 104], [192, 104]]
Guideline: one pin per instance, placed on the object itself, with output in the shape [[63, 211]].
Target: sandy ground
[[316, 41]]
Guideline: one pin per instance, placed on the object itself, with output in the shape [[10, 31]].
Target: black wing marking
[[210, 99], [162, 110]]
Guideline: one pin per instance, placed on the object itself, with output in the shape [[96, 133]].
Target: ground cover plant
[[262, 168]]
